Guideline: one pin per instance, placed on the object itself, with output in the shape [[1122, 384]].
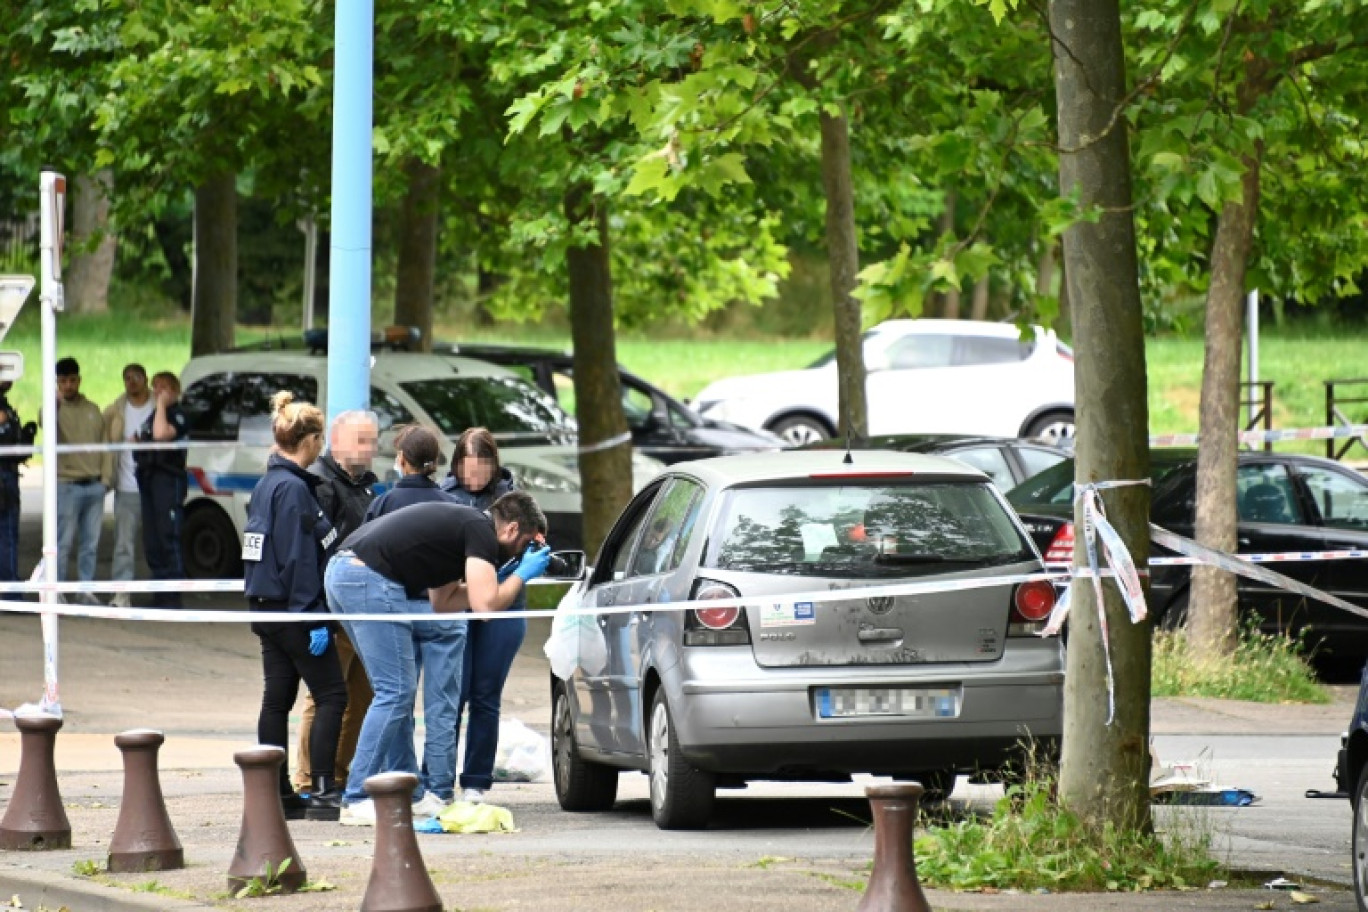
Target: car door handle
[[1244, 542]]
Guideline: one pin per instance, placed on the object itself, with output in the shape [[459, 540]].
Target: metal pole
[[1252, 322], [349, 273], [310, 229], [52, 193]]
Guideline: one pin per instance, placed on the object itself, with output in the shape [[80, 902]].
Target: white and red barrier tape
[[1312, 433]]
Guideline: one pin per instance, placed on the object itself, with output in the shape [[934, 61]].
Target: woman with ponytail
[[282, 553]]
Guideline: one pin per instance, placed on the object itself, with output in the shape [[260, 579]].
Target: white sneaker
[[90, 599], [362, 813], [428, 806], [473, 796], [120, 600]]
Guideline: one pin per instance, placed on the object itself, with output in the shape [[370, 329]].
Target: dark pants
[[9, 526], [285, 659], [163, 508], [490, 649]]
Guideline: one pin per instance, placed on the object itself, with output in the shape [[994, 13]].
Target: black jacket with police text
[[285, 537]]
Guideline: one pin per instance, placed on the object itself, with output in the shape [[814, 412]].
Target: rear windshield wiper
[[913, 559]]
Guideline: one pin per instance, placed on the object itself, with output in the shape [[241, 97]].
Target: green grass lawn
[[1298, 363]]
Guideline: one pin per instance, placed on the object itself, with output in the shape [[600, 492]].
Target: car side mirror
[[566, 566]]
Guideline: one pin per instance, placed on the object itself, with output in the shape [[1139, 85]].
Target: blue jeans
[[490, 649], [9, 527], [80, 509], [386, 650], [438, 648]]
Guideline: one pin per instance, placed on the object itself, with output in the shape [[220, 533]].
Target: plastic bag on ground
[[523, 754], [464, 817]]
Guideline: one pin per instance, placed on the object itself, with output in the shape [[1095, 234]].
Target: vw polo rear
[[932, 663]]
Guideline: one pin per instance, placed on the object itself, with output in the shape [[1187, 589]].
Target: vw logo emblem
[[879, 604]]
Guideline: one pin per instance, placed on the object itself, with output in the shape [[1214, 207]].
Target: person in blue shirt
[[161, 486], [416, 459], [477, 479], [283, 544]]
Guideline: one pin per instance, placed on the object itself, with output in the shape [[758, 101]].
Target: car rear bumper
[[748, 727]]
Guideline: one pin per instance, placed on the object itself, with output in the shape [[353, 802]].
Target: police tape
[[1270, 557], [800, 597], [1328, 432], [610, 443], [63, 449]]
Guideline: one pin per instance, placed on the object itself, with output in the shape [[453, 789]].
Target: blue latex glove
[[533, 563], [318, 641], [507, 569]]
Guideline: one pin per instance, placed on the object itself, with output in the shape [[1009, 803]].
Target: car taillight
[[1032, 603], [1061, 546], [725, 626]]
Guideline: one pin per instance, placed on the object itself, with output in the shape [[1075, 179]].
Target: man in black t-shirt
[[161, 486], [441, 557]]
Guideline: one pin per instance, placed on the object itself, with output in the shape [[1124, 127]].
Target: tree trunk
[[1105, 771], [93, 247], [605, 445], [1212, 615], [417, 269], [844, 257], [949, 299], [979, 309], [214, 300]]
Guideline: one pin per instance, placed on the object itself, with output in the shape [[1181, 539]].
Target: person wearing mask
[[122, 420], [80, 490], [346, 489], [12, 433], [282, 554], [161, 486], [438, 645], [477, 479], [453, 554]]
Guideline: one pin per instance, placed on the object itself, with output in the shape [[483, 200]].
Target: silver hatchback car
[[920, 685]]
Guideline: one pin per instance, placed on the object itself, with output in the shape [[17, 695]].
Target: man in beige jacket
[[80, 488], [121, 422]]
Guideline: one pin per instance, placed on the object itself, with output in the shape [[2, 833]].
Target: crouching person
[[282, 554], [441, 557]]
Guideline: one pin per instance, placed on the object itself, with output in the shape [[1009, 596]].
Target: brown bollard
[[399, 880], [893, 885], [264, 842], [144, 839], [35, 818]]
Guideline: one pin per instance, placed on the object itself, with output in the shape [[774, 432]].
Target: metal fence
[[19, 244]]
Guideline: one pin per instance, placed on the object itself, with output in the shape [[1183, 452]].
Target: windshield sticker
[[787, 614]]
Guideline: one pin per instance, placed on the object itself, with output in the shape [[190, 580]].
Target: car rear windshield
[[865, 531], [513, 410]]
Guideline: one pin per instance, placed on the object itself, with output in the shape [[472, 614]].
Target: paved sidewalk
[[200, 684]]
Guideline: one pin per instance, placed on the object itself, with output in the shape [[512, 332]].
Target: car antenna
[[848, 460]]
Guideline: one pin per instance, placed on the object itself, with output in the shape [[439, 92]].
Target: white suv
[[227, 398], [925, 377]]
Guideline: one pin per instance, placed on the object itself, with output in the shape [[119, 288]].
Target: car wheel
[[800, 430], [210, 545], [580, 784], [1175, 616], [681, 795], [1360, 840], [1055, 427]]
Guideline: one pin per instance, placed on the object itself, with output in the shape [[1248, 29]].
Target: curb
[[42, 889]]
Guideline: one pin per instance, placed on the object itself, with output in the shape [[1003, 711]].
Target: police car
[[226, 398]]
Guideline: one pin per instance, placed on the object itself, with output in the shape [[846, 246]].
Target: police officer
[[282, 553], [458, 557], [12, 433], [161, 485]]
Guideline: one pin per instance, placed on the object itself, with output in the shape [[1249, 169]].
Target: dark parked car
[[1351, 775], [1285, 502], [662, 426], [1008, 461]]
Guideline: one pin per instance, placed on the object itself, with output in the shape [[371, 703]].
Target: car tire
[[682, 796], [1360, 840], [1057, 427], [210, 546], [580, 784], [800, 430], [1175, 616]]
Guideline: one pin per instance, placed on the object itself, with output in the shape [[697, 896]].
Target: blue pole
[[349, 323]]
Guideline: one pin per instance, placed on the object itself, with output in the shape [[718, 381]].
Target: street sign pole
[[53, 200]]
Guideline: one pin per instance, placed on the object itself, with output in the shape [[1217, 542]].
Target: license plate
[[906, 702]]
